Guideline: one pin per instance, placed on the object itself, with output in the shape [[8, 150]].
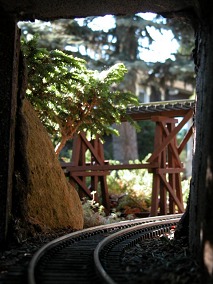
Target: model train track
[[92, 255]]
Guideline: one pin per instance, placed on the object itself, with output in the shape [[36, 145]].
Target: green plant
[[94, 214], [132, 187], [70, 98], [185, 184], [130, 200]]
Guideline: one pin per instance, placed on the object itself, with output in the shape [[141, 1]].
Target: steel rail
[[77, 236], [144, 231]]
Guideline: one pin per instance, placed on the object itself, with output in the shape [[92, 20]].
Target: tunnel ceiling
[[55, 9]]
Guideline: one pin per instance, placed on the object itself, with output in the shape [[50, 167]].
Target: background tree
[[122, 42]]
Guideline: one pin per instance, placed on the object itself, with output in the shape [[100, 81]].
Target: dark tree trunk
[[125, 147], [9, 62], [201, 203]]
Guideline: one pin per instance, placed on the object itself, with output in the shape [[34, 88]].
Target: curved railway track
[[92, 255]]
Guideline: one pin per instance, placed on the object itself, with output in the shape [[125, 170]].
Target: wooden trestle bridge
[[164, 163]]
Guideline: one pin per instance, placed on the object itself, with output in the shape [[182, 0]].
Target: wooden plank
[[101, 150], [171, 144], [170, 189], [92, 149], [83, 186], [156, 178], [89, 174], [163, 191], [171, 164], [165, 119], [77, 147], [155, 195], [70, 167]]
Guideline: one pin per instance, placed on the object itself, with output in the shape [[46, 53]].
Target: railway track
[[92, 255]]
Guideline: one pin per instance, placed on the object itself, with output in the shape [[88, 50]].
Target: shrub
[[131, 188]]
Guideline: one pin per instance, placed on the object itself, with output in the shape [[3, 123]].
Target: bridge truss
[[164, 163]]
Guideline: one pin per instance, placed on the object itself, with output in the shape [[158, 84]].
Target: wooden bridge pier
[[166, 178], [88, 175], [164, 163], [166, 188]]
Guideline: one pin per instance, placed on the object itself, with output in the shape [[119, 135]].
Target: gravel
[[161, 260]]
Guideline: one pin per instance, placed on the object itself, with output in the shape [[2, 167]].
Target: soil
[[15, 259], [162, 260]]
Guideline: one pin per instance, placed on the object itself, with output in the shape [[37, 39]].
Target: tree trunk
[[125, 146], [9, 58], [201, 208]]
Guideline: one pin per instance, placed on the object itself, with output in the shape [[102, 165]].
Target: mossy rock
[[45, 199]]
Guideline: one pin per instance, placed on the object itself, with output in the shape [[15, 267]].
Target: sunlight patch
[[208, 257]]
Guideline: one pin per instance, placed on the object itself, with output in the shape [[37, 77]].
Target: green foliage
[[185, 184], [94, 214], [130, 190], [70, 98], [134, 186]]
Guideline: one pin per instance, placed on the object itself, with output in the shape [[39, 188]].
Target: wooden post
[[156, 177], [163, 191], [97, 178], [166, 179], [171, 164]]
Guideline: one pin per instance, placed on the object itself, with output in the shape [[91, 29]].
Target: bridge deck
[[145, 111]]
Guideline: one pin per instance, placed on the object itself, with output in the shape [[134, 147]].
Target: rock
[[44, 198]]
